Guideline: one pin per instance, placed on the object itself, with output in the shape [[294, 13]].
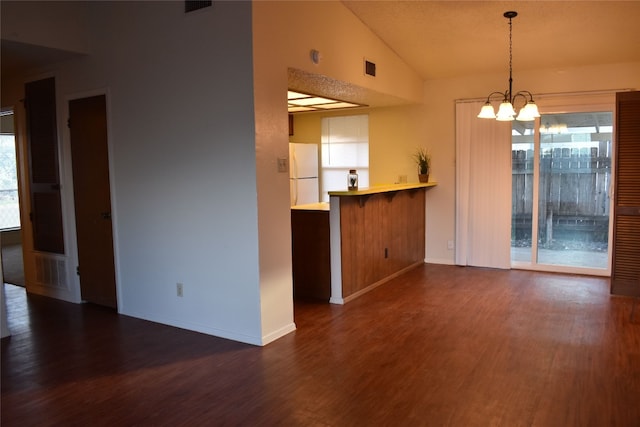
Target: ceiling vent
[[193, 5]]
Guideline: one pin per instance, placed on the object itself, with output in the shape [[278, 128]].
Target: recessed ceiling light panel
[[300, 102]]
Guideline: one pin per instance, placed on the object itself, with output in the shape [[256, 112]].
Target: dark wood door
[[44, 179], [625, 277], [89, 152]]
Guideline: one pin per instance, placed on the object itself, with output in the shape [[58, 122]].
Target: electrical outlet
[[450, 244], [179, 289]]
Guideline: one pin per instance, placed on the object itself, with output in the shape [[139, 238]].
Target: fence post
[[549, 223]]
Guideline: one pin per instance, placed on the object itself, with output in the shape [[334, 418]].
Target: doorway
[[91, 189], [561, 174]]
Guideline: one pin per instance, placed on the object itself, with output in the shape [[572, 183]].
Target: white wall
[[439, 117], [183, 162]]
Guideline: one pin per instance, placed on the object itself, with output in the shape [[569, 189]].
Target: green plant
[[423, 160]]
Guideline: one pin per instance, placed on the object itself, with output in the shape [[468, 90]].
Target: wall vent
[[51, 271], [369, 68], [193, 5]]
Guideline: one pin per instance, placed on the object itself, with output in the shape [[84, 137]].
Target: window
[[345, 146], [9, 206]]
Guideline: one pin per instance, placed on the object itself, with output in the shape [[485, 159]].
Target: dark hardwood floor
[[438, 346]]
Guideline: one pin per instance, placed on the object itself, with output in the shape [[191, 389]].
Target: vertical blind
[[483, 189]]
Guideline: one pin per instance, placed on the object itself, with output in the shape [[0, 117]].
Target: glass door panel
[[561, 177], [573, 199], [522, 164]]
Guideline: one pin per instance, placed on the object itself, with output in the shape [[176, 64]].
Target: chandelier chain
[[510, 59], [507, 112]]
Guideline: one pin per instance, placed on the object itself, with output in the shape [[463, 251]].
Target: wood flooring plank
[[437, 346]]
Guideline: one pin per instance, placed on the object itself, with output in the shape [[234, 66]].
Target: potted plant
[[423, 160]]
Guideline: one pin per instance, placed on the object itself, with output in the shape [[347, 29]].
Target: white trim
[[593, 101], [556, 95], [266, 339], [553, 268], [71, 238], [335, 247], [443, 261]]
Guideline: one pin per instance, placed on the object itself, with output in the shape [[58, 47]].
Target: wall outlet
[[179, 289], [450, 244]]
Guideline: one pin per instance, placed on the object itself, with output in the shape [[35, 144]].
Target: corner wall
[[182, 159], [284, 34]]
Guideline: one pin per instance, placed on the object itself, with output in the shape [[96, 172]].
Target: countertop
[[383, 189], [322, 206]]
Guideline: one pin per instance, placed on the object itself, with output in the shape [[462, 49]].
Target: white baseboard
[[443, 261]]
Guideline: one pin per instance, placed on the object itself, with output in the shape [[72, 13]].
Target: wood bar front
[[382, 235], [360, 240]]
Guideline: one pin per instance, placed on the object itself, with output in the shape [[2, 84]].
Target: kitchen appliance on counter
[[303, 174]]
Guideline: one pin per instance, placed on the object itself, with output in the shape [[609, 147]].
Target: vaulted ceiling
[[441, 39], [456, 38]]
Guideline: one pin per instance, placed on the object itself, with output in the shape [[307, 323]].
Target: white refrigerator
[[303, 174]]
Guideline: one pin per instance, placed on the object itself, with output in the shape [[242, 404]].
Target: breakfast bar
[[360, 240]]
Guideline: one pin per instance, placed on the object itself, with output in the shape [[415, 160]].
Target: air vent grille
[[193, 5], [369, 68], [51, 271]]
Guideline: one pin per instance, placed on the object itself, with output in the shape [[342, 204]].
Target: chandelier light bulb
[[505, 112], [528, 113], [487, 111]]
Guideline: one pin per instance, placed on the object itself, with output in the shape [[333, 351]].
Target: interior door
[[89, 152]]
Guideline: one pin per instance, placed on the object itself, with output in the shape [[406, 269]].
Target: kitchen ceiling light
[[506, 112], [301, 102]]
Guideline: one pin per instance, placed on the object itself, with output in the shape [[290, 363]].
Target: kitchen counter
[[322, 206], [357, 241], [383, 189]]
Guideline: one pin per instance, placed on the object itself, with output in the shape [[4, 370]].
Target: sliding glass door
[[561, 174]]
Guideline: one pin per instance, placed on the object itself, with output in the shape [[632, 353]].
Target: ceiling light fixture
[[300, 102], [506, 112]]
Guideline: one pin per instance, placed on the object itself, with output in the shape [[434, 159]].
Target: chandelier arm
[[502, 94], [522, 92]]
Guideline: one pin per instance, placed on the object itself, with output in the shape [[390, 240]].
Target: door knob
[[106, 215]]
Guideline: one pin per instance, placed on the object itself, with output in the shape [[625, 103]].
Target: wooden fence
[[573, 193]]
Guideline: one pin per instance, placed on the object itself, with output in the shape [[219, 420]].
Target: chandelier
[[506, 111]]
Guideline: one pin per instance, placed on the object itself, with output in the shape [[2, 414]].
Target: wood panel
[[625, 278], [381, 235], [311, 254]]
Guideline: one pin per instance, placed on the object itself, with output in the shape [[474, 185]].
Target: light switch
[[283, 165]]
